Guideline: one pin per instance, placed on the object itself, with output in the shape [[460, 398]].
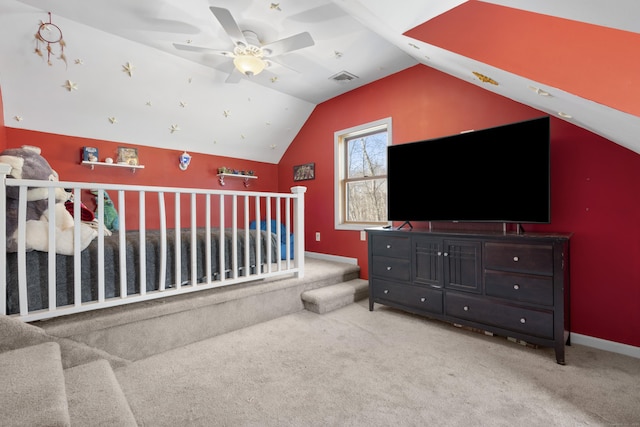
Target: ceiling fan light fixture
[[249, 65]]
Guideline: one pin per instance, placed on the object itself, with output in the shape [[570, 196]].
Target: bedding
[[37, 265]]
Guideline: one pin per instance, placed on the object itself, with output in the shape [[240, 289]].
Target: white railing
[[229, 253]]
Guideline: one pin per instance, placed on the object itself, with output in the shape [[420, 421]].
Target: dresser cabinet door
[[462, 265], [428, 261]]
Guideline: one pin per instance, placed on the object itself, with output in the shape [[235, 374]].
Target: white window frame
[[339, 138]]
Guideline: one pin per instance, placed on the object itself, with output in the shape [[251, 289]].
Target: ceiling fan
[[250, 57]]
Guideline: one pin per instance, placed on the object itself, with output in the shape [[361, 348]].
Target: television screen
[[500, 174]]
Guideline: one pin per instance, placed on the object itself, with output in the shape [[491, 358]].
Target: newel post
[[298, 228], [4, 171]]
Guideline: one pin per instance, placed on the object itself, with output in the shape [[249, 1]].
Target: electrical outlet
[[317, 236], [363, 236]]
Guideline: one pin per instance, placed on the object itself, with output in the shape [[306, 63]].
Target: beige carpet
[[352, 367]]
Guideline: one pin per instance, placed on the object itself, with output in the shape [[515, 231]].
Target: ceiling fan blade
[[234, 76], [282, 64], [289, 44], [190, 48], [229, 24]]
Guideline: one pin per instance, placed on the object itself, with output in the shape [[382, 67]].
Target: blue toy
[[283, 236]]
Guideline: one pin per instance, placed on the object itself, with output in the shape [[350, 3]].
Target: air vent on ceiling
[[343, 77]]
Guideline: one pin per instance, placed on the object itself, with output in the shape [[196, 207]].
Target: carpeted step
[[33, 389], [329, 298], [137, 331], [95, 398]]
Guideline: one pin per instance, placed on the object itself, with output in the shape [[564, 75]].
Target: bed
[[159, 274], [215, 247]]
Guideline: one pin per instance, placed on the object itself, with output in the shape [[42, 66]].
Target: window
[[361, 175]]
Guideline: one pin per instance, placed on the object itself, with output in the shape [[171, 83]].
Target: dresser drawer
[[513, 318], [391, 246], [391, 268], [519, 287], [422, 298], [533, 259]]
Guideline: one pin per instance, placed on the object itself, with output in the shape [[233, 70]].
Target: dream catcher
[[49, 34]]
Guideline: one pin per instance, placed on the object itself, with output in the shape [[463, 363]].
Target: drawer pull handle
[[465, 308], [446, 254], [516, 286], [423, 299], [388, 246], [523, 320], [439, 253], [388, 268], [386, 291], [516, 259]]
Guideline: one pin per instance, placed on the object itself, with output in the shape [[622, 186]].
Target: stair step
[[95, 398], [33, 389], [137, 331], [329, 298]]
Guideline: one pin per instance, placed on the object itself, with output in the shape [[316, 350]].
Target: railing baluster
[[22, 258], [142, 242], [122, 247], [207, 237], [194, 246], [177, 246], [101, 231], [163, 241], [51, 256]]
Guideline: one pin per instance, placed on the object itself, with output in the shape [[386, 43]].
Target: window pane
[[366, 201], [367, 155]]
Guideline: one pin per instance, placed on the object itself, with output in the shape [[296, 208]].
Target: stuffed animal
[[27, 163], [111, 221]]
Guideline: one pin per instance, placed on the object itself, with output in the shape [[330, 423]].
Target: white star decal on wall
[[226, 113], [149, 104], [128, 68], [79, 62], [18, 118], [69, 85], [113, 120], [183, 104], [174, 128]]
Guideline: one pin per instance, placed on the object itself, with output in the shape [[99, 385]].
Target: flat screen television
[[500, 174]]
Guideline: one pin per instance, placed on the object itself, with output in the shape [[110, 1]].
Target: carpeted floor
[[352, 367]]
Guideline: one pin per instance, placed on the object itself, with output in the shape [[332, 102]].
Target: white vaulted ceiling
[[124, 81]]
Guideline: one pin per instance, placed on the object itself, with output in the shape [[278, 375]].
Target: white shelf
[[245, 178], [92, 165]]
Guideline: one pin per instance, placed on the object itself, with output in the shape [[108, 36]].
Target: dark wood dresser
[[513, 285]]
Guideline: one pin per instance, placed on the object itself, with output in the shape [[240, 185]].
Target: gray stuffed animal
[[27, 163]]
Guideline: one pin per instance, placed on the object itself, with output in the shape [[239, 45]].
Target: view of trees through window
[[366, 178]]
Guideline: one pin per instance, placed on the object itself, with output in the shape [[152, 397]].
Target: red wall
[[160, 169], [594, 186], [3, 135]]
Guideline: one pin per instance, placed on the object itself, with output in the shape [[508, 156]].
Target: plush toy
[[111, 221], [27, 163]]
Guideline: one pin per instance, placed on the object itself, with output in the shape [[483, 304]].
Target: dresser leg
[[370, 304], [560, 354]]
